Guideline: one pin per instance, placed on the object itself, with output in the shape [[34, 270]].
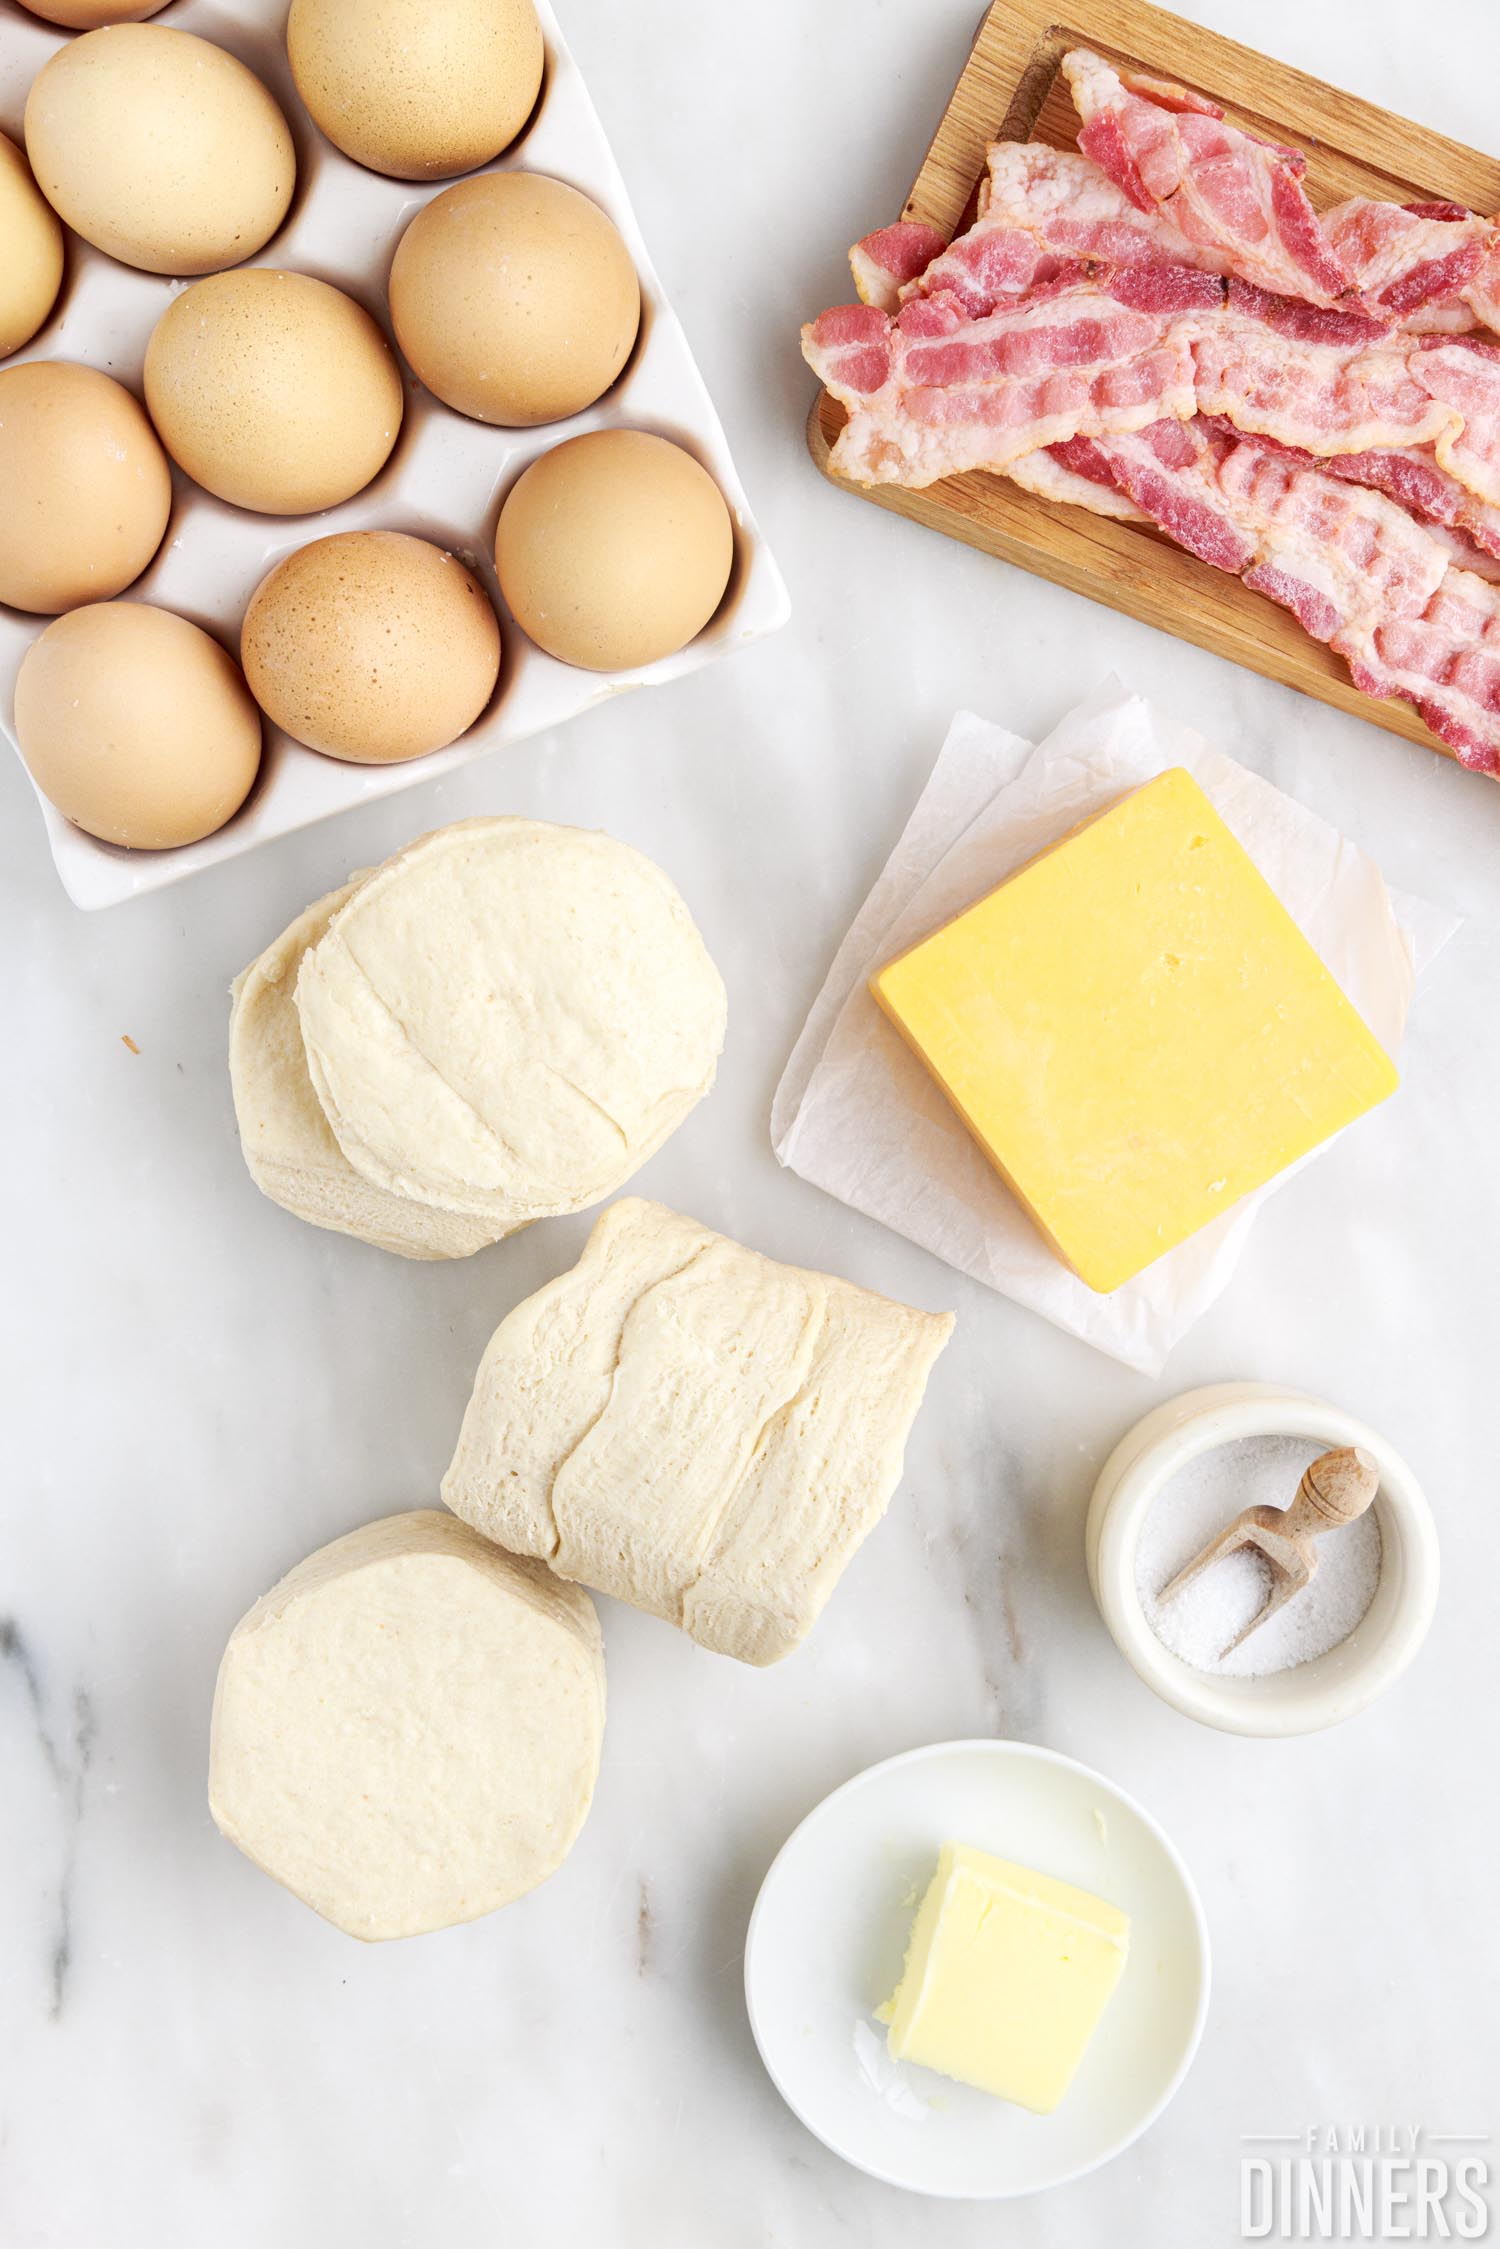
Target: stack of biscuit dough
[[501, 1024]]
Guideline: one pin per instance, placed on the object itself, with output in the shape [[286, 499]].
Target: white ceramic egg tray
[[445, 480]]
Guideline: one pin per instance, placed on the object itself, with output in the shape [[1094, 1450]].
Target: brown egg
[[85, 490], [87, 15], [32, 262], [371, 646], [160, 148], [273, 390], [614, 549], [415, 88], [136, 725], [514, 298]]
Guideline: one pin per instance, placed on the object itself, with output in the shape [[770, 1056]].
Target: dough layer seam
[[584, 1434]]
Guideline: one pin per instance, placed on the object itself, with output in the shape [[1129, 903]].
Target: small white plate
[[829, 1932]]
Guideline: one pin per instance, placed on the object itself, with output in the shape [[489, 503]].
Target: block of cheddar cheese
[[1135, 1031]]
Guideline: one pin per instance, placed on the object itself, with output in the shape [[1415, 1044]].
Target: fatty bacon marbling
[[933, 389], [931, 392], [1240, 200], [1435, 266], [1357, 572], [1171, 334]]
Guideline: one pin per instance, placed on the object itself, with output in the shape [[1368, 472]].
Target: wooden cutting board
[[1011, 89]]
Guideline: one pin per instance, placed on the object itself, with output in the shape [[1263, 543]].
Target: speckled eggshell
[[85, 490], [160, 148], [514, 298], [614, 550], [413, 88], [31, 252], [137, 725], [273, 390], [371, 646], [88, 15]]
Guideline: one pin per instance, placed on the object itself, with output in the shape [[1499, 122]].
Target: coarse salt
[[1201, 1500]]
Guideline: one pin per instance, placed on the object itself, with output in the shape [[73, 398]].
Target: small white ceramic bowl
[[1311, 1695]]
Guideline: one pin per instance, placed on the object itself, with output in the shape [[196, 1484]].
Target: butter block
[[1136, 1031], [1007, 1974]]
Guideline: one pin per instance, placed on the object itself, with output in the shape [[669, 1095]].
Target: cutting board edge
[[1049, 560]]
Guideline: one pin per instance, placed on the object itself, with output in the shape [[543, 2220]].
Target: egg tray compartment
[[445, 480]]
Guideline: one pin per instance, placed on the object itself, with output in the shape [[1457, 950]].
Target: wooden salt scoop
[[1336, 1490]]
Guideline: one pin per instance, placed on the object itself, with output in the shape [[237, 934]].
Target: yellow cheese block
[[1007, 1974], [1135, 1031]]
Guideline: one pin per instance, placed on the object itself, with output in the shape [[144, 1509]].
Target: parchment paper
[[856, 1113]]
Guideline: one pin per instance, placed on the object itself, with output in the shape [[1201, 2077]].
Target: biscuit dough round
[[509, 1018], [288, 1147], [406, 1730]]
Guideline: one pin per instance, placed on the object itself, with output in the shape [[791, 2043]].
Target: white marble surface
[[198, 1390]]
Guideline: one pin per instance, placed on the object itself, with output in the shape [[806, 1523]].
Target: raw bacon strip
[[884, 263], [1324, 397], [989, 267], [1447, 662], [1464, 553], [1168, 471], [1415, 479], [1302, 323], [1073, 210], [1339, 556], [1081, 473], [1041, 210], [1464, 378], [1085, 482], [1336, 556], [932, 392], [1483, 292], [1329, 398], [1040, 205], [1417, 261], [851, 350], [1351, 566], [1172, 152], [1421, 424]]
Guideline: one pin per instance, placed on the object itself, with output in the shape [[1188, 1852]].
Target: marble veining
[[66, 1750], [198, 1391]]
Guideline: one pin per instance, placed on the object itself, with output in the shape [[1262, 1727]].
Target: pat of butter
[[1007, 1974], [1136, 1031]]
